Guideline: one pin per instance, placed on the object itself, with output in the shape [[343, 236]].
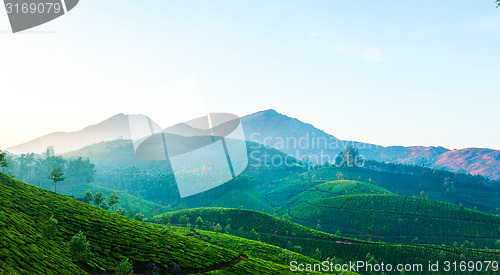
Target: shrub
[[50, 228], [287, 256], [139, 217], [199, 223], [125, 267], [79, 248]]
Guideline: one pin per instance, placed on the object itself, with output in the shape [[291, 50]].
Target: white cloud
[[273, 61], [366, 52], [421, 94], [314, 34], [486, 23], [370, 54]]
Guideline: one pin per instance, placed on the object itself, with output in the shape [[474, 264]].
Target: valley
[[273, 214]]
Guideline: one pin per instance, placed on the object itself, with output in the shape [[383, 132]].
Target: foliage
[[50, 228], [99, 199], [125, 267], [3, 160], [398, 219], [218, 228], [80, 170], [79, 248], [111, 238], [335, 189], [120, 211], [113, 200], [245, 246], [400, 179], [34, 168], [287, 256], [57, 175], [199, 222], [139, 217], [126, 201], [183, 220], [89, 196], [118, 168], [247, 199], [349, 158], [317, 254], [289, 235]]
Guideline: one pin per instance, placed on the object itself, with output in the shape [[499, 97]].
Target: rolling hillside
[[407, 180], [336, 188], [128, 202], [243, 246], [27, 248], [287, 234], [121, 154], [245, 199], [399, 219], [116, 154]]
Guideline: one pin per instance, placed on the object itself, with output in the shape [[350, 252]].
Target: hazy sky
[[387, 72]]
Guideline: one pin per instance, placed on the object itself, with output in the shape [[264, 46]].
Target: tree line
[[47, 170]]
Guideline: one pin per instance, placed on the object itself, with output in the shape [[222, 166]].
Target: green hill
[[243, 246], [246, 199], [118, 168], [406, 180], [285, 189], [128, 202], [121, 154], [337, 188], [400, 219], [27, 248], [287, 234]]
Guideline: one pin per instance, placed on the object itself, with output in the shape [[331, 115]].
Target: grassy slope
[[399, 219], [247, 199], [241, 245], [437, 185], [282, 233], [24, 248], [121, 154], [249, 247], [126, 201], [336, 188], [117, 153]]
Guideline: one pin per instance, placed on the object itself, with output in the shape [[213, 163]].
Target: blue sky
[[390, 72]]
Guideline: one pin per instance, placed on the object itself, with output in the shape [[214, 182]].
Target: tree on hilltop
[[113, 200], [56, 176], [3, 160], [349, 158]]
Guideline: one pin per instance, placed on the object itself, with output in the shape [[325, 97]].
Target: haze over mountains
[[290, 135], [293, 137], [115, 127]]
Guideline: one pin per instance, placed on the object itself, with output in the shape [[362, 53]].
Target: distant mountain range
[[293, 137], [476, 161], [290, 135], [113, 128]]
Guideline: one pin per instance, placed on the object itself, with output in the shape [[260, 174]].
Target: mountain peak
[[265, 114], [118, 118], [269, 111], [120, 115]]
